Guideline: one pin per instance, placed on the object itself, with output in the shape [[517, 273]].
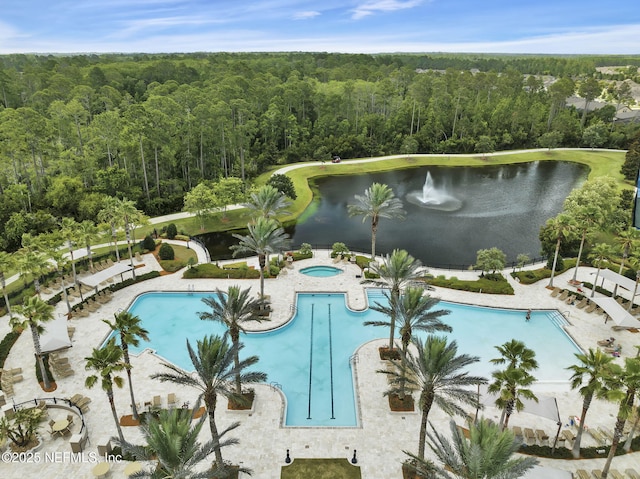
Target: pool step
[[558, 319]]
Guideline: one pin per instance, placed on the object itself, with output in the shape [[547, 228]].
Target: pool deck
[[383, 435]]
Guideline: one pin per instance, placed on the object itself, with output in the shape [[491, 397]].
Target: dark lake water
[[502, 206]]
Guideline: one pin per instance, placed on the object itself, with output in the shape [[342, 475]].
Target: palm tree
[[233, 309], [413, 312], [128, 213], [265, 237], [511, 385], [600, 254], [109, 215], [86, 234], [515, 354], [131, 332], [69, 230], [622, 384], [396, 272], [267, 202], [487, 453], [172, 442], [437, 372], [587, 217], [32, 263], [588, 376], [213, 376], [562, 228], [35, 312], [107, 363], [50, 244], [378, 201], [627, 240], [6, 263]]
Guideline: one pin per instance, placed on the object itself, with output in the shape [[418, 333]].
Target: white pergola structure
[[618, 313], [95, 279], [55, 336]]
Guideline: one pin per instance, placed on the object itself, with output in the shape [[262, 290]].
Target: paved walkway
[[263, 440]]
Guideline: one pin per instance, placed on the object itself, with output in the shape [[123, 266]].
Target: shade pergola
[[95, 279], [616, 312], [55, 335], [542, 472], [616, 278]]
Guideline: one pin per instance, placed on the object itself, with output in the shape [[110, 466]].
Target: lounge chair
[[606, 342], [70, 419], [583, 474], [157, 401], [17, 378], [529, 434], [75, 398], [591, 308], [568, 435], [570, 299], [615, 349], [597, 473], [564, 295], [517, 431], [632, 473], [542, 436], [616, 474], [171, 399], [597, 436], [15, 371], [555, 292], [582, 303]]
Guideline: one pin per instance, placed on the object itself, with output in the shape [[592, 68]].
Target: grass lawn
[[181, 258], [320, 469]]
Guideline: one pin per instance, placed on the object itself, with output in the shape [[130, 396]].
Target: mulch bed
[[386, 353], [242, 406], [401, 405], [53, 387]]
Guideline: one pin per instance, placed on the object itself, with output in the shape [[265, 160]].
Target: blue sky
[[356, 26]]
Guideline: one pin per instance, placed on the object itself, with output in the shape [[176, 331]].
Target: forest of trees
[[76, 129]]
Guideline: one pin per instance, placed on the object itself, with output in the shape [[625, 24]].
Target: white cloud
[[370, 8], [305, 15]]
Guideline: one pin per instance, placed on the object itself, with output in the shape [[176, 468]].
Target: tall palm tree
[[562, 227], [267, 202], [7, 262], [109, 215], [214, 373], [588, 377], [600, 255], [413, 313], [69, 230], [32, 263], [127, 212], [131, 332], [378, 201], [511, 385], [437, 372], [623, 384], [107, 363], [396, 271], [32, 314], [587, 217], [487, 453], [87, 233], [50, 244], [265, 237], [627, 240], [172, 443], [233, 309]]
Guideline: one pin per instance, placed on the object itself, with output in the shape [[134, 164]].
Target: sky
[[345, 26]]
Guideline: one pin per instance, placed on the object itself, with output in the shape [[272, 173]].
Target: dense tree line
[[76, 129]]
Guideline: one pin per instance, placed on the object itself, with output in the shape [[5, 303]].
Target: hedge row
[[213, 271], [5, 347], [481, 285]]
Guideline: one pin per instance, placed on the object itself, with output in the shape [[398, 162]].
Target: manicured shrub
[[172, 231], [305, 248], [213, 271], [149, 243], [339, 248], [166, 252]]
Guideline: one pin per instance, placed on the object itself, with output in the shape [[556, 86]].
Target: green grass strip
[[320, 469]]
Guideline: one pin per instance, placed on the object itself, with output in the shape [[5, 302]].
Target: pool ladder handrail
[[275, 385], [293, 308]]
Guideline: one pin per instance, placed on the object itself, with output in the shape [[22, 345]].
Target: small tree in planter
[[172, 231], [21, 429], [305, 249], [149, 243], [339, 248]]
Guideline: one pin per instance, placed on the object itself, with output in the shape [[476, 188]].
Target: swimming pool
[[310, 357], [321, 271]]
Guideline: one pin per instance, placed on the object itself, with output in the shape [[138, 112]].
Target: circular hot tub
[[321, 271]]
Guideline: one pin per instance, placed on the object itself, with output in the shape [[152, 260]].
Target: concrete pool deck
[[263, 442]]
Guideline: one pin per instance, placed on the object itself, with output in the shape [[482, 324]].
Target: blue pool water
[[321, 271], [309, 357]]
